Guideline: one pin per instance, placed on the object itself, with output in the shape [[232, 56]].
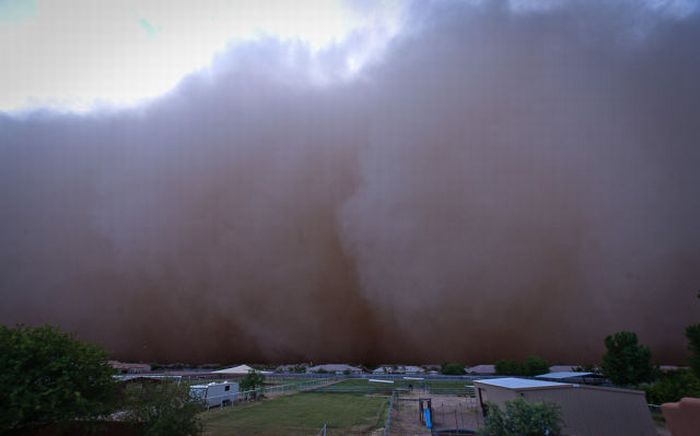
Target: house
[[586, 410], [481, 369], [239, 370], [334, 368], [292, 368], [562, 368], [215, 394], [398, 369], [130, 368], [411, 369]]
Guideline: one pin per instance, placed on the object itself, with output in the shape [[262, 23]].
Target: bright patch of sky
[[14, 11], [78, 54]]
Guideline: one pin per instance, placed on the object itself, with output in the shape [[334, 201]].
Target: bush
[[673, 386], [452, 369], [535, 366], [163, 409], [509, 367], [252, 381], [522, 418], [532, 366], [692, 332], [626, 362], [47, 376]]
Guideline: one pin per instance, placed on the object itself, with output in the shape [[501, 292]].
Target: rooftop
[[520, 383]]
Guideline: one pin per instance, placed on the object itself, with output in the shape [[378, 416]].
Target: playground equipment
[[425, 412]]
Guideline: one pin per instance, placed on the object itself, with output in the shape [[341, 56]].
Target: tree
[[163, 409], [47, 376], [532, 366], [522, 418], [535, 365], [251, 382], [509, 367], [626, 362], [692, 332], [673, 386], [452, 368]]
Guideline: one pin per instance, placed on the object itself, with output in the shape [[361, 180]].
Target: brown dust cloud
[[499, 183]]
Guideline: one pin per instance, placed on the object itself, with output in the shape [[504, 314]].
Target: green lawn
[[299, 414], [361, 385]]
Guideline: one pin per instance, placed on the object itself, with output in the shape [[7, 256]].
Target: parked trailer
[[215, 394]]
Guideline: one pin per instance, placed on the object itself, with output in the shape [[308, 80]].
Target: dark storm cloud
[[499, 184]]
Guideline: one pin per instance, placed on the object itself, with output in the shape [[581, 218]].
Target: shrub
[[532, 366], [626, 362], [522, 418], [535, 366], [673, 386], [47, 376], [298, 369], [508, 367], [692, 332], [452, 369], [163, 409], [252, 381]]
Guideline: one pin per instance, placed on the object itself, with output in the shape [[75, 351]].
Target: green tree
[[532, 366], [692, 332], [509, 367], [163, 409], [673, 386], [452, 368], [48, 376], [522, 418], [252, 382], [535, 365], [626, 361]]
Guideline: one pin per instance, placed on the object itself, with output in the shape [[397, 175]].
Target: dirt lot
[[449, 412]]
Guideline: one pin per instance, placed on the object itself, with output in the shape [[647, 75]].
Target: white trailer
[[215, 394]]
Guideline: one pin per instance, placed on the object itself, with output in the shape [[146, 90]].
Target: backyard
[[302, 413]]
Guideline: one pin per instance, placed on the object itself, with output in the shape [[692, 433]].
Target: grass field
[[300, 414], [456, 387]]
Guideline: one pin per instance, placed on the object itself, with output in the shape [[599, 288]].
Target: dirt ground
[[449, 412]]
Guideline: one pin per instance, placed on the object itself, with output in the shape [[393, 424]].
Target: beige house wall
[[586, 410], [593, 411]]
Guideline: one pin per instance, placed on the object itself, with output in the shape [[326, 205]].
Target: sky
[[78, 55], [371, 182]]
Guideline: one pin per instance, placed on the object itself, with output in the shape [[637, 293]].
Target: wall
[[596, 411]]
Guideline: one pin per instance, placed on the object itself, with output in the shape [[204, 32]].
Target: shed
[[586, 410]]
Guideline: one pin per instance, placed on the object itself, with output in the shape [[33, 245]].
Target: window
[[227, 388]]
